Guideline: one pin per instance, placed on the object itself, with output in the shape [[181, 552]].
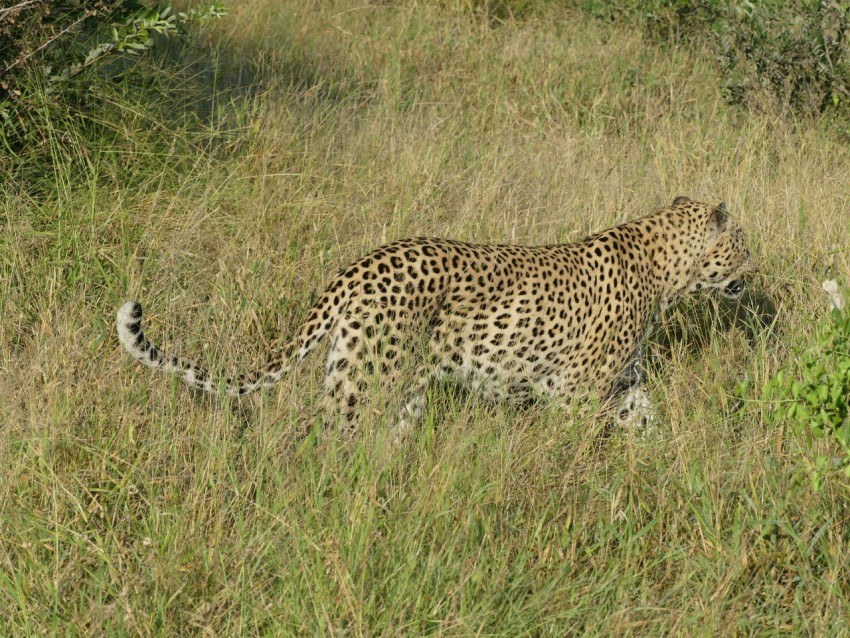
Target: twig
[[46, 44], [18, 7]]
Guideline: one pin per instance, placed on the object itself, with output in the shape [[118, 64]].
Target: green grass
[[130, 506]]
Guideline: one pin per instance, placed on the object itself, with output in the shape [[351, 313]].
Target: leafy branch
[[135, 36], [816, 398]]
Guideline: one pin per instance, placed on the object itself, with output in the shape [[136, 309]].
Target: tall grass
[[130, 506]]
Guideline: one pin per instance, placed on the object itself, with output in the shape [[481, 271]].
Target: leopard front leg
[[636, 412], [415, 403], [633, 408]]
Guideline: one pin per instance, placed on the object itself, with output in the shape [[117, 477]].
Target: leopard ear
[[681, 199], [718, 218]]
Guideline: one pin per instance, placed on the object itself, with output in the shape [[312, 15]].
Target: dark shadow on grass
[[694, 323], [181, 99], [698, 322], [205, 77]]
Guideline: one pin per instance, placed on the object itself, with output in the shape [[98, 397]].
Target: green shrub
[[815, 394]]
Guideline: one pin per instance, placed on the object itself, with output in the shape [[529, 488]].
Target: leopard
[[563, 321]]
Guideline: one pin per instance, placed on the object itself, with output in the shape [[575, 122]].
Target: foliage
[[52, 53], [817, 398]]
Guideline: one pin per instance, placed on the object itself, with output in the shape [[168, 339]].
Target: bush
[[52, 53], [796, 54], [792, 53]]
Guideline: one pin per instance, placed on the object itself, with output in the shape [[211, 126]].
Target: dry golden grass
[[130, 506]]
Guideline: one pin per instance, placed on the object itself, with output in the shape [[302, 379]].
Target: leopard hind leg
[[365, 357]]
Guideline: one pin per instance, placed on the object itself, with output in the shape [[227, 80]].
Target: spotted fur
[[508, 321]]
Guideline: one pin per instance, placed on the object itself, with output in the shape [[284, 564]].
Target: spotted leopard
[[510, 322]]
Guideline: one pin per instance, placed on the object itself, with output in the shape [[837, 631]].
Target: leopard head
[[725, 260]]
